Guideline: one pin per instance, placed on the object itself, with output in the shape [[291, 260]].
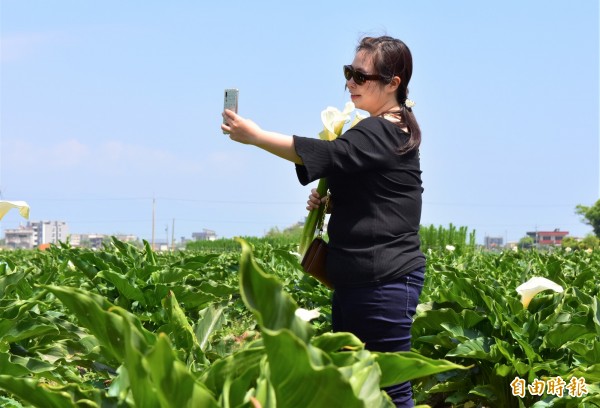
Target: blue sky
[[107, 105]]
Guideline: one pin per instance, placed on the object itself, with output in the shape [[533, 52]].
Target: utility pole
[[153, 205], [173, 236], [167, 234]]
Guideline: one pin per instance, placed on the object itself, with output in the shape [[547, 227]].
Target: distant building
[[205, 235], [88, 240], [19, 238], [493, 242], [37, 233], [96, 240], [49, 232], [541, 238]]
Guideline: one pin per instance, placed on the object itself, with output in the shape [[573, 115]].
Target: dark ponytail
[[391, 57]]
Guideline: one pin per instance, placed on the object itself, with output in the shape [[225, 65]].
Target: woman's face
[[370, 96]]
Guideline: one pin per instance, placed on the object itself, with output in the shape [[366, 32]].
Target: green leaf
[[106, 321], [590, 373], [330, 342], [149, 256], [124, 285], [35, 392], [596, 315], [16, 330], [407, 365], [478, 348], [181, 329], [6, 402], [263, 294], [176, 387], [564, 333], [211, 319], [22, 366], [298, 378], [241, 364], [590, 353]]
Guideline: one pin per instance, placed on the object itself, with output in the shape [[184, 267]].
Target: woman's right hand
[[315, 200]]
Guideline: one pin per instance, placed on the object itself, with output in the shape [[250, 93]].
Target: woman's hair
[[391, 57]]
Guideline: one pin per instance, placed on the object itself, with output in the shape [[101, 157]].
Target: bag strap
[[322, 219]]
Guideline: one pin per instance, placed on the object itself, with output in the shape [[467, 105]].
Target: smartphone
[[230, 101]]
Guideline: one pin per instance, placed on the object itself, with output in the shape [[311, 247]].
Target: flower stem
[[312, 219]]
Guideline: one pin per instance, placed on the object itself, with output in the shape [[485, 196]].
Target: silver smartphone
[[230, 101]]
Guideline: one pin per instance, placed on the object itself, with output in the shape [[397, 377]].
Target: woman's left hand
[[240, 129]]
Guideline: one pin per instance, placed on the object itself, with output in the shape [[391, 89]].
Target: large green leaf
[[406, 366], [36, 393], [126, 286], [22, 366], [8, 282], [264, 296], [176, 387], [211, 319], [330, 342], [98, 315], [298, 376], [242, 364], [25, 328], [478, 348], [181, 329], [564, 333]]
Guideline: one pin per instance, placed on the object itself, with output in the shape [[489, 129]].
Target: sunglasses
[[359, 77]]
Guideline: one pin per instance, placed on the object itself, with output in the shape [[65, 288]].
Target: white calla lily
[[307, 315], [334, 120], [589, 250], [23, 207], [450, 248], [534, 286], [568, 249], [357, 118]]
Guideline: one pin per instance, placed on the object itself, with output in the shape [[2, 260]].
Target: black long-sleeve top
[[376, 193]]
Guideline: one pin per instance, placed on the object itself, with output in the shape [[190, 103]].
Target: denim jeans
[[381, 316]]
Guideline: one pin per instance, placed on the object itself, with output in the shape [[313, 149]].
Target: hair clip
[[408, 103]]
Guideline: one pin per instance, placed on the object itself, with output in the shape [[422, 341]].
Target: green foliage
[[525, 243], [128, 327], [590, 216], [435, 238], [590, 242], [289, 235], [470, 314]]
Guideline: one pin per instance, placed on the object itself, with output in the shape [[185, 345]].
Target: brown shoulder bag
[[315, 257]]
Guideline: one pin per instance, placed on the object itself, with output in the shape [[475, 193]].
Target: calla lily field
[[131, 327]]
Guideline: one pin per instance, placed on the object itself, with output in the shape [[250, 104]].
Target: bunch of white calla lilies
[[333, 126]]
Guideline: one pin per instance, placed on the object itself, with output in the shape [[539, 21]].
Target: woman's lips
[[353, 97]]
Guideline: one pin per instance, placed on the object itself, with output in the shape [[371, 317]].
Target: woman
[[373, 172]]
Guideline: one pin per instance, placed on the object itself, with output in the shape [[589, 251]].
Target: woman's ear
[[395, 83]]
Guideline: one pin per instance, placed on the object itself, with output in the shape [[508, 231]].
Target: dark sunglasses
[[359, 77]]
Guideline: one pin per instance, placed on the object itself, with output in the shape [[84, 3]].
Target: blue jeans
[[381, 316]]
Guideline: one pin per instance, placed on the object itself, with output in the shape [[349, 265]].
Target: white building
[[19, 238], [49, 232], [37, 233], [205, 235]]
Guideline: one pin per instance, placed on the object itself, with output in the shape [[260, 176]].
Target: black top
[[376, 194]]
